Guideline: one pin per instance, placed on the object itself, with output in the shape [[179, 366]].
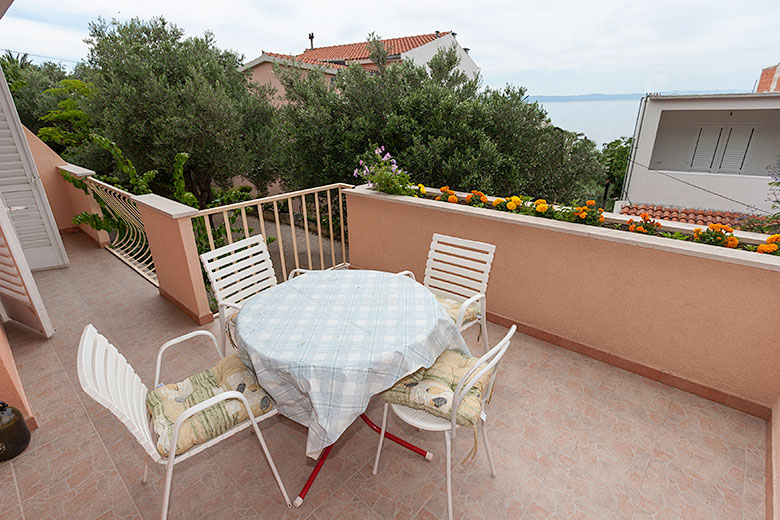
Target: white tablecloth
[[323, 343]]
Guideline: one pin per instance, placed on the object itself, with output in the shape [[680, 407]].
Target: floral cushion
[[166, 403], [452, 306], [432, 389]]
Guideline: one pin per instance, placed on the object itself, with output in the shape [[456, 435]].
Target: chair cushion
[[432, 389], [452, 306], [166, 403]]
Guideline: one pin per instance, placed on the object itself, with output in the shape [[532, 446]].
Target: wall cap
[[708, 252], [171, 208], [78, 171]]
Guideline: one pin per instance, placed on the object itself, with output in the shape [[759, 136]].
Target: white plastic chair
[[425, 421], [107, 378], [459, 269], [237, 272]]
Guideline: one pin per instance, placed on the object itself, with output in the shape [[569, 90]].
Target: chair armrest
[[297, 272], [407, 273], [182, 339], [465, 306]]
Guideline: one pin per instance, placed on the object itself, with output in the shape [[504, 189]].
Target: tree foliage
[[156, 93], [28, 83], [438, 123], [615, 155]]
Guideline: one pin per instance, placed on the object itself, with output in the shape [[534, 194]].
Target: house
[[418, 49], [769, 80], [703, 152]]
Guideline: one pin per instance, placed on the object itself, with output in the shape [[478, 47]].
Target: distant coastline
[[620, 97]]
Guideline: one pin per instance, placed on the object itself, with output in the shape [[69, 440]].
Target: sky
[[551, 48]]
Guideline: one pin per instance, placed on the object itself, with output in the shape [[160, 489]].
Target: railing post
[[174, 251], [67, 201]]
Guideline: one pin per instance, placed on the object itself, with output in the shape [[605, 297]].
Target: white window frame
[[721, 148]]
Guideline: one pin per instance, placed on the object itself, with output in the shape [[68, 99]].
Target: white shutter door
[[707, 140], [19, 295], [735, 152], [20, 186]]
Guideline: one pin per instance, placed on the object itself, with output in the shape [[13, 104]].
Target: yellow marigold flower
[[452, 198], [773, 239], [540, 201], [497, 202], [542, 208], [732, 242], [422, 188], [591, 203], [516, 199], [511, 206], [767, 248]]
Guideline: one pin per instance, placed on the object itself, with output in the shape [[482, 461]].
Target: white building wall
[[421, 55], [662, 127]]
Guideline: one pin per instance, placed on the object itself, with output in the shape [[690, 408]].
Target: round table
[[324, 342]]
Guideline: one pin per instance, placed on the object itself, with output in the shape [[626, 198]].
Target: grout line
[[16, 487]]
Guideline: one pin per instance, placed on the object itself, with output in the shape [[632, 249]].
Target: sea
[[600, 121]]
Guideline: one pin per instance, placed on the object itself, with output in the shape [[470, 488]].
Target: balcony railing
[[293, 224], [128, 241]]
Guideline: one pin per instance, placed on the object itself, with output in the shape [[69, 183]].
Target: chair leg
[[223, 329], [167, 488], [381, 440], [448, 447], [483, 326], [146, 469], [271, 463], [483, 427]]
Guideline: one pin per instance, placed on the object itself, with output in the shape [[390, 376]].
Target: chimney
[[311, 40], [466, 50], [769, 80], [437, 34]]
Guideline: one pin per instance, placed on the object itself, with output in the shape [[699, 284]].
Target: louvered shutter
[[707, 141], [738, 141], [21, 188]]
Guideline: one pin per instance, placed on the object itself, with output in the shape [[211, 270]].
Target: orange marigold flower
[[450, 192], [601, 210], [630, 221], [468, 197], [438, 198], [584, 214], [657, 224], [497, 202], [591, 203], [452, 198], [767, 248], [474, 192], [697, 231], [641, 229], [632, 228], [732, 242], [773, 239], [601, 218], [511, 206], [444, 189], [713, 227], [483, 199], [644, 216], [728, 229]]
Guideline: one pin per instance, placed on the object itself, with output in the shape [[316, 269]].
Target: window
[[721, 148]]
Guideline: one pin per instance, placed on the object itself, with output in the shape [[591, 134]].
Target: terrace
[[574, 437]]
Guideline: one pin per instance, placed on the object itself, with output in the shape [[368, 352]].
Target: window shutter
[[735, 152], [706, 144]]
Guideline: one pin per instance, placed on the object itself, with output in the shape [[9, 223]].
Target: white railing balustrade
[[293, 224], [128, 241]]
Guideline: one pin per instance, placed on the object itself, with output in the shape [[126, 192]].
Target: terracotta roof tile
[[689, 215], [305, 60], [360, 51]]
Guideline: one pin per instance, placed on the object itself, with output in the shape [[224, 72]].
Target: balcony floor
[[573, 437]]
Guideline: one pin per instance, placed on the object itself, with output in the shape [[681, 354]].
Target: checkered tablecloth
[[323, 343]]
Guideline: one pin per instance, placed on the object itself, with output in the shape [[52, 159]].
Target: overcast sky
[[553, 47]]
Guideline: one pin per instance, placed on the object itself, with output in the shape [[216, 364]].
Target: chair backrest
[[458, 267], [484, 365], [239, 270], [107, 377]]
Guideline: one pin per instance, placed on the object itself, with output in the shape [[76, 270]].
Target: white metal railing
[[128, 241], [313, 208]]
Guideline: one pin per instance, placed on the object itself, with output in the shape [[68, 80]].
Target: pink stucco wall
[[11, 390], [263, 74], [704, 323]]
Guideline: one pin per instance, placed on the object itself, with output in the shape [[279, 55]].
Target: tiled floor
[[573, 437]]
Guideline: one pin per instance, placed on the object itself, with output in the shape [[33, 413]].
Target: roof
[[689, 215], [307, 63], [361, 51], [737, 95]]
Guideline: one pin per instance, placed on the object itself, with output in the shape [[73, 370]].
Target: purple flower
[[386, 157], [361, 162], [394, 167], [382, 148], [378, 151], [355, 173]]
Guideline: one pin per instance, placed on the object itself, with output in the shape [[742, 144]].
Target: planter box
[[698, 317]]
